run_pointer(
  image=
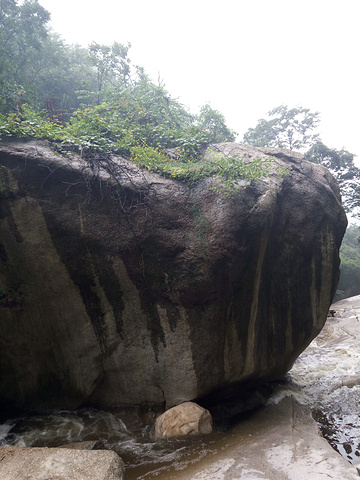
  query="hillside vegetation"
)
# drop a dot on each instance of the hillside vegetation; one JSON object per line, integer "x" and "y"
{"x": 349, "y": 283}
{"x": 94, "y": 99}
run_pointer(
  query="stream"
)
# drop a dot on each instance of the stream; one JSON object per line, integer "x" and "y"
{"x": 120, "y": 430}
{"x": 325, "y": 376}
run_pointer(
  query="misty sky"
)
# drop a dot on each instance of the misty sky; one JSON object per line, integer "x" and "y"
{"x": 244, "y": 57}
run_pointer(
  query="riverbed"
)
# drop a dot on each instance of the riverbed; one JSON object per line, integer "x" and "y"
{"x": 327, "y": 377}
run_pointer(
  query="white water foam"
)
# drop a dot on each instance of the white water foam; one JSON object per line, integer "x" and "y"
{"x": 5, "y": 429}
{"x": 326, "y": 376}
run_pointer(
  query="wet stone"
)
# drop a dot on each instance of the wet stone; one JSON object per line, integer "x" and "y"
{"x": 18, "y": 463}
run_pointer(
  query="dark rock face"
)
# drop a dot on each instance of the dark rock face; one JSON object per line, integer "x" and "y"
{"x": 118, "y": 286}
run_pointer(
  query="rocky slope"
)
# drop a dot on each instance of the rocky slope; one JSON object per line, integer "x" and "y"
{"x": 118, "y": 286}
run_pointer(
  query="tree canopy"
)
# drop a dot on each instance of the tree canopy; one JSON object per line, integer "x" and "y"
{"x": 94, "y": 99}
{"x": 286, "y": 128}
{"x": 95, "y": 89}
{"x": 22, "y": 34}
{"x": 341, "y": 165}
{"x": 295, "y": 129}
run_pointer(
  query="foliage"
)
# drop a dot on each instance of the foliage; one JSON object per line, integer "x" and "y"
{"x": 112, "y": 66}
{"x": 93, "y": 100}
{"x": 102, "y": 128}
{"x": 36, "y": 67}
{"x": 56, "y": 74}
{"x": 349, "y": 283}
{"x": 341, "y": 165}
{"x": 292, "y": 128}
{"x": 214, "y": 122}
{"x": 29, "y": 123}
{"x": 235, "y": 167}
{"x": 226, "y": 170}
{"x": 120, "y": 106}
{"x": 157, "y": 161}
{"x": 143, "y": 114}
{"x": 140, "y": 113}
{"x": 286, "y": 128}
{"x": 337, "y": 161}
{"x": 22, "y": 31}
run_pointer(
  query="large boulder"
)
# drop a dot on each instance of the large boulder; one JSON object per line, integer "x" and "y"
{"x": 118, "y": 286}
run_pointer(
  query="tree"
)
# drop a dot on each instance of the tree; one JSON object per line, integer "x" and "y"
{"x": 56, "y": 76}
{"x": 139, "y": 112}
{"x": 215, "y": 123}
{"x": 293, "y": 129}
{"x": 349, "y": 282}
{"x": 341, "y": 165}
{"x": 43, "y": 81}
{"x": 112, "y": 65}
{"x": 22, "y": 31}
{"x": 286, "y": 128}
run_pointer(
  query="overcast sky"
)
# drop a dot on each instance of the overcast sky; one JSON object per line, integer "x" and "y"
{"x": 244, "y": 57}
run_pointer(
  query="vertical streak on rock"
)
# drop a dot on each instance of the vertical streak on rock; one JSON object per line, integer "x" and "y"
{"x": 180, "y": 383}
{"x": 232, "y": 350}
{"x": 81, "y": 221}
{"x": 268, "y": 202}
{"x": 61, "y": 358}
{"x": 322, "y": 276}
{"x": 131, "y": 368}
{"x": 108, "y": 321}
{"x": 249, "y": 365}
{"x": 313, "y": 291}
{"x": 288, "y": 334}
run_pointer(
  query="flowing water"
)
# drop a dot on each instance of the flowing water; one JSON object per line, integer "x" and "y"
{"x": 121, "y": 430}
{"x": 325, "y": 377}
